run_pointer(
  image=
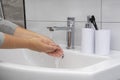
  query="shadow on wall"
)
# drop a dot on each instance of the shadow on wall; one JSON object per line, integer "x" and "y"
{"x": 14, "y": 11}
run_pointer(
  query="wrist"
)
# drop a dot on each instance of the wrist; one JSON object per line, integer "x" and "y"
{"x": 32, "y": 44}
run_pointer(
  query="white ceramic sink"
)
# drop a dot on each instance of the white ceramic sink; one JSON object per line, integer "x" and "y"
{"x": 23, "y": 64}
{"x": 71, "y": 60}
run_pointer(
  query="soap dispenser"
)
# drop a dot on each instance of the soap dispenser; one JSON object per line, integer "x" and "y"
{"x": 87, "y": 38}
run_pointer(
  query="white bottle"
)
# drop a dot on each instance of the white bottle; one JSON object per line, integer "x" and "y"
{"x": 87, "y": 40}
{"x": 102, "y": 41}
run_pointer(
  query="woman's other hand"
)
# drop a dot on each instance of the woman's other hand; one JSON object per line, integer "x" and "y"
{"x": 41, "y": 45}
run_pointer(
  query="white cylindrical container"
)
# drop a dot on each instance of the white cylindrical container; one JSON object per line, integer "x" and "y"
{"x": 87, "y": 40}
{"x": 102, "y": 41}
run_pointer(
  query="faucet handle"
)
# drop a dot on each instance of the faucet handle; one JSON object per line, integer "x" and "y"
{"x": 70, "y": 21}
{"x": 50, "y": 28}
{"x": 71, "y": 18}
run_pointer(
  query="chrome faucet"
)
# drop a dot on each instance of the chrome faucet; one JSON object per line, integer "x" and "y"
{"x": 70, "y": 31}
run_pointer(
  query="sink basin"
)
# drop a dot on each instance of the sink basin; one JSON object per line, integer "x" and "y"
{"x": 24, "y": 64}
{"x": 71, "y": 60}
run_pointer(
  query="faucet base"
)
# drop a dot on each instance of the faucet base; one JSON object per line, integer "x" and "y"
{"x": 70, "y": 47}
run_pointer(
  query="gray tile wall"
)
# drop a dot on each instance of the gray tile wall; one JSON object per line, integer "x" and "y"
{"x": 13, "y": 10}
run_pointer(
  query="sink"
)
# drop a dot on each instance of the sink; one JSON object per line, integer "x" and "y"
{"x": 24, "y": 64}
{"x": 71, "y": 60}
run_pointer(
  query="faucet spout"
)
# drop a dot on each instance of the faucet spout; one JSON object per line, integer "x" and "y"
{"x": 69, "y": 29}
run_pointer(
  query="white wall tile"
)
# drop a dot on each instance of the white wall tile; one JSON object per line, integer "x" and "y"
{"x": 58, "y": 10}
{"x": 115, "y": 34}
{"x": 43, "y": 13}
{"x": 111, "y": 10}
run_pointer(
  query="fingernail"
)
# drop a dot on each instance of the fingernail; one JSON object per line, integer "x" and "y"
{"x": 62, "y": 56}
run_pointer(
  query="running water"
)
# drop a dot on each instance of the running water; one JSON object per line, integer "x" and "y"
{"x": 57, "y": 62}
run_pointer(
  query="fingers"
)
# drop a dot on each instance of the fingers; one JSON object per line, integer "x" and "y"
{"x": 57, "y": 53}
{"x": 50, "y": 48}
{"x": 37, "y": 45}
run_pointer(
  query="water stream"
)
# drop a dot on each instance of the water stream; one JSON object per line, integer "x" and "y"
{"x": 57, "y": 60}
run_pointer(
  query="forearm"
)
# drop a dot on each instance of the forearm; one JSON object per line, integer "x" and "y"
{"x": 21, "y": 38}
{"x": 14, "y": 42}
{"x": 15, "y": 30}
{"x": 10, "y": 42}
{"x": 21, "y": 32}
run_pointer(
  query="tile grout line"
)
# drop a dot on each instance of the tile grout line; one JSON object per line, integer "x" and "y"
{"x": 66, "y": 21}
{"x": 101, "y": 13}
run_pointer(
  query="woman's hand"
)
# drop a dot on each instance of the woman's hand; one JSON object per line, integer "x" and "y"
{"x": 57, "y": 53}
{"x": 42, "y": 45}
{"x": 39, "y": 42}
